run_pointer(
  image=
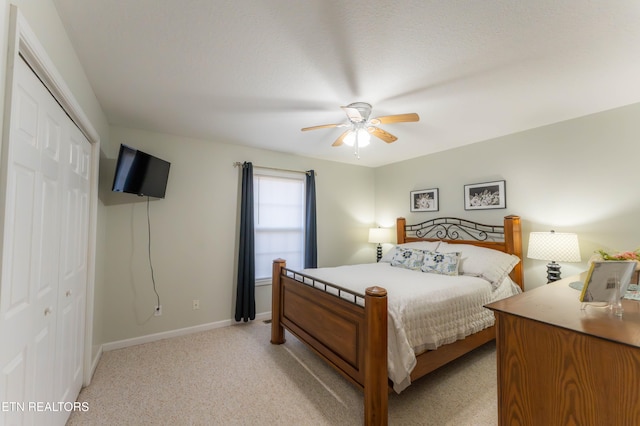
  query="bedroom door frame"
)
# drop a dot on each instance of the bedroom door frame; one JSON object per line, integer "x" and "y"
{"x": 24, "y": 43}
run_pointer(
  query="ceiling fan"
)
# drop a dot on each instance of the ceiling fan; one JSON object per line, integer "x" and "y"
{"x": 361, "y": 126}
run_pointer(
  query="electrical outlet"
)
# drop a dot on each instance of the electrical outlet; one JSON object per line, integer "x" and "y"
{"x": 196, "y": 304}
{"x": 158, "y": 311}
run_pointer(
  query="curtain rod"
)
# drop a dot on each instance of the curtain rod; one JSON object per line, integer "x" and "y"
{"x": 239, "y": 164}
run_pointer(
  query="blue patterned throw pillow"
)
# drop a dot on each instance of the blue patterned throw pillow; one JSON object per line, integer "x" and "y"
{"x": 441, "y": 263}
{"x": 407, "y": 258}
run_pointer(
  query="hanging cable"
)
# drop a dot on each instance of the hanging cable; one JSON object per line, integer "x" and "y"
{"x": 153, "y": 280}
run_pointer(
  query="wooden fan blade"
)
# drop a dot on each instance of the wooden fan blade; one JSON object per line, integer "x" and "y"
{"x": 382, "y": 134}
{"x": 339, "y": 141}
{"x": 399, "y": 118}
{"x": 322, "y": 126}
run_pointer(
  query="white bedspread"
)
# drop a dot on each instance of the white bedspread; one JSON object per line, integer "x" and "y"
{"x": 425, "y": 310}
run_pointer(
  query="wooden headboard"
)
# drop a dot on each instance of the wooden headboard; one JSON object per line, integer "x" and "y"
{"x": 506, "y": 237}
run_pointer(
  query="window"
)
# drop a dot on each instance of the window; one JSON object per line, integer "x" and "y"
{"x": 279, "y": 220}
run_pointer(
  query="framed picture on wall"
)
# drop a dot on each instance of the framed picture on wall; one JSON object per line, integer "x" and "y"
{"x": 424, "y": 200}
{"x": 487, "y": 195}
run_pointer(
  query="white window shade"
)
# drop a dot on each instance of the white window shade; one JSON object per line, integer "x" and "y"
{"x": 278, "y": 221}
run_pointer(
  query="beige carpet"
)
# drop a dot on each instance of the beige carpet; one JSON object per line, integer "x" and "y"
{"x": 234, "y": 376}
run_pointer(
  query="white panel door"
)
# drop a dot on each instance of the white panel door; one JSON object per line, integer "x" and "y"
{"x": 73, "y": 267}
{"x": 45, "y": 150}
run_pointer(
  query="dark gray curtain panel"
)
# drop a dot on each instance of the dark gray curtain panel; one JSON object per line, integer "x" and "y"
{"x": 245, "y": 295}
{"x": 310, "y": 236}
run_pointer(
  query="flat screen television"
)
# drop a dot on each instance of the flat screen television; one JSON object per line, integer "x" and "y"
{"x": 140, "y": 173}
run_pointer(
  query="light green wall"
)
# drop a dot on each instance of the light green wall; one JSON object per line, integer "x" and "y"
{"x": 575, "y": 176}
{"x": 43, "y": 19}
{"x": 194, "y": 232}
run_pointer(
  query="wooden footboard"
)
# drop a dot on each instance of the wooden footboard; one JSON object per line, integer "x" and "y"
{"x": 347, "y": 329}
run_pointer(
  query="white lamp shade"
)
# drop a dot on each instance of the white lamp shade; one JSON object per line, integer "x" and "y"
{"x": 363, "y": 138}
{"x": 554, "y": 246}
{"x": 379, "y": 235}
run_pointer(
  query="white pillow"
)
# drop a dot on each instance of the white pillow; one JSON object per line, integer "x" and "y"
{"x": 492, "y": 265}
{"x": 420, "y": 245}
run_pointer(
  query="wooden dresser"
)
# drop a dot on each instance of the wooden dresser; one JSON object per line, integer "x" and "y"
{"x": 560, "y": 365}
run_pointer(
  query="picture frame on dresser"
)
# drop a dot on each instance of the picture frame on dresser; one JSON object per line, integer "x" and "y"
{"x": 607, "y": 278}
{"x": 424, "y": 200}
{"x": 485, "y": 195}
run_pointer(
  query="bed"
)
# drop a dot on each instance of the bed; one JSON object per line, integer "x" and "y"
{"x": 354, "y": 325}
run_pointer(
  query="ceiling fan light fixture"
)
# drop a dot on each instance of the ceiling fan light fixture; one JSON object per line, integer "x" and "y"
{"x": 361, "y": 127}
{"x": 364, "y": 138}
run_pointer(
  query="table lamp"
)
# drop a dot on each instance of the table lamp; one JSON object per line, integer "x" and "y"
{"x": 554, "y": 247}
{"x": 379, "y": 236}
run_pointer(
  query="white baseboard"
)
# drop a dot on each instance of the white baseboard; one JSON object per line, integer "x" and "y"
{"x": 95, "y": 362}
{"x": 119, "y": 344}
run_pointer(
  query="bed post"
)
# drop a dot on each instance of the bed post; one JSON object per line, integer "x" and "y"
{"x": 277, "y": 331}
{"x": 401, "y": 223}
{"x": 513, "y": 242}
{"x": 376, "y": 385}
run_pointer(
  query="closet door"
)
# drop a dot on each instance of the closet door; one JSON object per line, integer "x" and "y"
{"x": 30, "y": 250}
{"x": 39, "y": 159}
{"x": 73, "y": 266}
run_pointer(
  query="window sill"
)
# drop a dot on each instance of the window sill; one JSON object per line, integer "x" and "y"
{"x": 263, "y": 282}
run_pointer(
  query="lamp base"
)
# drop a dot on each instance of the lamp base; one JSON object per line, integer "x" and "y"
{"x": 379, "y": 253}
{"x": 553, "y": 272}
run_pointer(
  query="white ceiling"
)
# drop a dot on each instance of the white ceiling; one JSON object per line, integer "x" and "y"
{"x": 254, "y": 72}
